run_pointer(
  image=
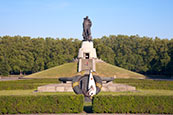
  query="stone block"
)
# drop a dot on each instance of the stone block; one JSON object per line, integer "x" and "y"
{"x": 110, "y": 86}
{"x": 104, "y": 89}
{"x": 60, "y": 89}
{"x": 68, "y": 89}
{"x": 50, "y": 89}
{"x": 131, "y": 88}
{"x": 69, "y": 82}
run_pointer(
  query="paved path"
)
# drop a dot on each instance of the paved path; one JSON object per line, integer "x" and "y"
{"x": 9, "y": 79}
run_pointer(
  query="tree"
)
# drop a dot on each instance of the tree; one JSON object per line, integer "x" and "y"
{"x": 4, "y": 67}
{"x": 105, "y": 53}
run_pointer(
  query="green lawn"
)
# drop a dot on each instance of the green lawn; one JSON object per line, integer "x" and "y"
{"x": 147, "y": 83}
{"x": 139, "y": 92}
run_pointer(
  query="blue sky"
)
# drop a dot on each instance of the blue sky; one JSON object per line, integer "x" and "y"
{"x": 63, "y": 18}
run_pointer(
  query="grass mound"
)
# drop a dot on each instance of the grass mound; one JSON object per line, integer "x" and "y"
{"x": 65, "y": 70}
{"x": 107, "y": 70}
{"x": 70, "y": 69}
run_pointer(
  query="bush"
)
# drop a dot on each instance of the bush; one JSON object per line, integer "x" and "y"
{"x": 26, "y": 84}
{"x": 41, "y": 104}
{"x": 133, "y": 104}
{"x": 147, "y": 83}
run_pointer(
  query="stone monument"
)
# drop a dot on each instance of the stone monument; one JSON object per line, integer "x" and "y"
{"x": 87, "y": 29}
{"x": 87, "y": 84}
{"x": 87, "y": 53}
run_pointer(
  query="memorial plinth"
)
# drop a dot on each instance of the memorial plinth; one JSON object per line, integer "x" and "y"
{"x": 62, "y": 87}
{"x": 87, "y": 51}
{"x": 86, "y": 56}
{"x": 66, "y": 87}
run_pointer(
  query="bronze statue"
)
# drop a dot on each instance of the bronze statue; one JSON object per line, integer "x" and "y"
{"x": 86, "y": 29}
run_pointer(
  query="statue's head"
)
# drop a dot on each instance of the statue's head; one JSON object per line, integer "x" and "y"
{"x": 86, "y": 17}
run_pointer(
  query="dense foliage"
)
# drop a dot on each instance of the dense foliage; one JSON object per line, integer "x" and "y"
{"x": 41, "y": 104}
{"x": 147, "y": 83}
{"x": 26, "y": 84}
{"x": 133, "y": 104}
{"x": 140, "y": 54}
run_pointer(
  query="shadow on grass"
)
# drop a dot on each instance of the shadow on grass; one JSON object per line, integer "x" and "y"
{"x": 88, "y": 109}
{"x": 161, "y": 77}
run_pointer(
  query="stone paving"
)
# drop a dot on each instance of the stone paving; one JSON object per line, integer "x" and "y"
{"x": 8, "y": 78}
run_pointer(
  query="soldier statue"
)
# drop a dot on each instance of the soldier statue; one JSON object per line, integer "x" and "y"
{"x": 86, "y": 29}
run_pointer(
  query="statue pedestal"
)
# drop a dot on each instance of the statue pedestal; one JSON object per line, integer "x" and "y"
{"x": 87, "y": 51}
{"x": 87, "y": 55}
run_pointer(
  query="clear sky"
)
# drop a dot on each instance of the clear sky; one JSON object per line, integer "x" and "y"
{"x": 63, "y": 18}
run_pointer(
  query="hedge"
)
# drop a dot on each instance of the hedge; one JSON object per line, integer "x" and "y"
{"x": 26, "y": 84}
{"x": 41, "y": 104}
{"x": 133, "y": 104}
{"x": 147, "y": 83}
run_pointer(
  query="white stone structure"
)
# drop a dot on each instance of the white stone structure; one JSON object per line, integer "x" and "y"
{"x": 87, "y": 51}
{"x": 87, "y": 56}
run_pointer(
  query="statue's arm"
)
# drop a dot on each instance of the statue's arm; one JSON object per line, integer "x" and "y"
{"x": 90, "y": 22}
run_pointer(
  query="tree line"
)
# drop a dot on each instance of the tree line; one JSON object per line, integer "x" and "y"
{"x": 140, "y": 54}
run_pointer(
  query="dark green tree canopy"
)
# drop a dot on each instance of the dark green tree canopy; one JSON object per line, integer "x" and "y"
{"x": 140, "y": 54}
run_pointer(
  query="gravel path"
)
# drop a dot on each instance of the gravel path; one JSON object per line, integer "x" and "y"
{"x": 8, "y": 78}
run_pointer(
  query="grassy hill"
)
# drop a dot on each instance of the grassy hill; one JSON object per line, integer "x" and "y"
{"x": 70, "y": 69}
{"x": 65, "y": 70}
{"x": 108, "y": 70}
